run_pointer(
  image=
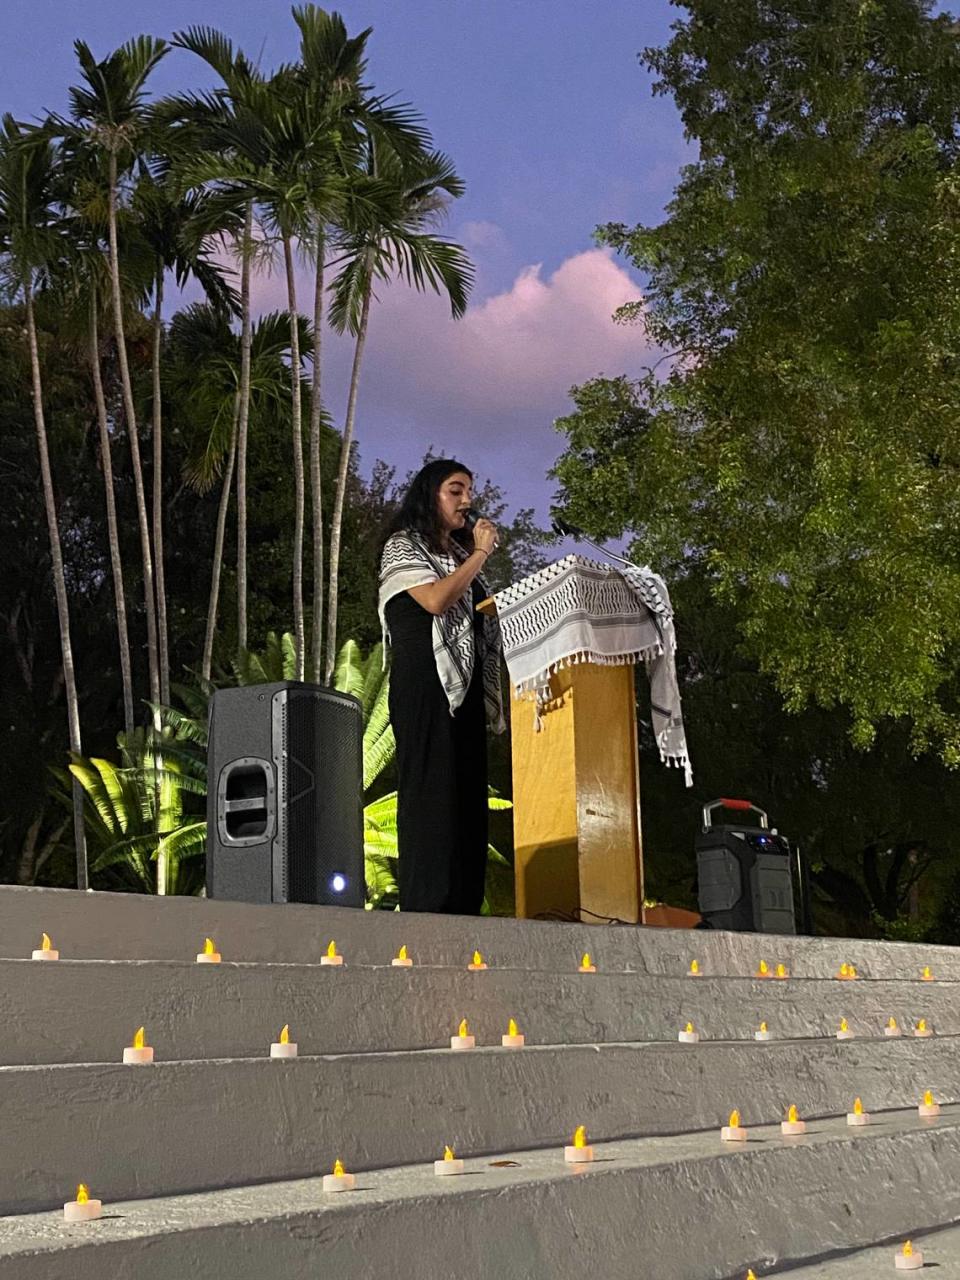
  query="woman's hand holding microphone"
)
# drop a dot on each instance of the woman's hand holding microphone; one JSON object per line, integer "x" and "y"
{"x": 485, "y": 536}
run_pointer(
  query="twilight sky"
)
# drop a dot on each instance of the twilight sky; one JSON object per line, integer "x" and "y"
{"x": 550, "y": 120}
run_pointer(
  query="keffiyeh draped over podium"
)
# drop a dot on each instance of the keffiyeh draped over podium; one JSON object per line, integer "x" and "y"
{"x": 408, "y": 562}
{"x": 577, "y": 610}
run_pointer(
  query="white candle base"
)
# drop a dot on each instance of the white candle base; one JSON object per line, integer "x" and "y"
{"x": 45, "y": 953}
{"x": 763, "y": 1035}
{"x": 908, "y": 1262}
{"x": 731, "y": 1133}
{"x": 689, "y": 1037}
{"x": 927, "y": 1110}
{"x": 578, "y": 1155}
{"x": 925, "y": 1034}
{"x": 793, "y": 1128}
{"x": 331, "y": 960}
{"x": 203, "y": 958}
{"x": 590, "y": 968}
{"x": 512, "y": 1042}
{"x": 334, "y": 1182}
{"x": 475, "y": 968}
{"x": 459, "y": 1043}
{"x": 854, "y": 1120}
{"x": 401, "y": 964}
{"x": 278, "y": 1050}
{"x": 844, "y": 1035}
{"x": 447, "y": 1168}
{"x": 694, "y": 973}
{"x": 892, "y": 1031}
{"x": 138, "y": 1057}
{"x": 73, "y": 1211}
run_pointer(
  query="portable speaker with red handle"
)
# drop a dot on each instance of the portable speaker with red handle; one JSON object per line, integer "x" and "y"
{"x": 744, "y": 874}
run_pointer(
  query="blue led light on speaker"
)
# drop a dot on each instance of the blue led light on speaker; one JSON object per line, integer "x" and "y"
{"x": 338, "y": 883}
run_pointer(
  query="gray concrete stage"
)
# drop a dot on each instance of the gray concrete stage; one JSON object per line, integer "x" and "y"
{"x": 208, "y": 1161}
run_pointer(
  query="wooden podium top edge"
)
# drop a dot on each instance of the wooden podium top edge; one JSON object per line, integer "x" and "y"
{"x": 487, "y": 606}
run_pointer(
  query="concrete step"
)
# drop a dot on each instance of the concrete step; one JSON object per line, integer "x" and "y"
{"x": 940, "y": 1249}
{"x": 176, "y": 1127}
{"x": 86, "y": 1011}
{"x": 669, "y": 1208}
{"x": 110, "y": 926}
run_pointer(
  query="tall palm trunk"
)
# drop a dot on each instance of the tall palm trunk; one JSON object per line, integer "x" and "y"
{"x": 297, "y": 433}
{"x": 59, "y": 581}
{"x": 316, "y": 493}
{"x": 162, "y": 642}
{"x": 131, "y": 416}
{"x": 113, "y": 536}
{"x": 340, "y": 495}
{"x": 216, "y": 569}
{"x": 243, "y": 421}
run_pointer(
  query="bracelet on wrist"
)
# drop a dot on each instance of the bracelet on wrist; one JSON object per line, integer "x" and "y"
{"x": 482, "y": 551}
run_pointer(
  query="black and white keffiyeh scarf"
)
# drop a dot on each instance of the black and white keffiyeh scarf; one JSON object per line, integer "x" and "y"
{"x": 408, "y": 562}
{"x": 577, "y": 610}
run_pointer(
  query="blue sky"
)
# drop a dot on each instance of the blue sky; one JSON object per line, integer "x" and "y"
{"x": 551, "y": 122}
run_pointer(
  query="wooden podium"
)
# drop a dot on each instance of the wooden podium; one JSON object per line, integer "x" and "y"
{"x": 576, "y": 797}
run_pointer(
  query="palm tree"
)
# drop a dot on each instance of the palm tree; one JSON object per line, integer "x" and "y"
{"x": 110, "y": 111}
{"x": 397, "y": 244}
{"x": 32, "y": 244}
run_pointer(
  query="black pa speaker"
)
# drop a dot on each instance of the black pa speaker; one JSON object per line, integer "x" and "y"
{"x": 285, "y": 795}
{"x": 744, "y": 873}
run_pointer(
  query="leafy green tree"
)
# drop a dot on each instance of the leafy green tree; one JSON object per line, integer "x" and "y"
{"x": 800, "y": 437}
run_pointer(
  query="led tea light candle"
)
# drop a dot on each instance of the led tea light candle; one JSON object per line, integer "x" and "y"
{"x": 284, "y": 1047}
{"x": 138, "y": 1052}
{"x": 579, "y": 1152}
{"x": 928, "y": 1108}
{"x": 927, "y": 976}
{"x": 782, "y": 971}
{"x": 763, "y": 970}
{"x": 762, "y": 1033}
{"x": 858, "y": 1116}
{"x": 694, "y": 970}
{"x": 463, "y": 1039}
{"x": 45, "y": 951}
{"x": 586, "y": 964}
{"x": 209, "y": 954}
{"x": 922, "y": 1030}
{"x": 331, "y": 956}
{"x": 449, "y": 1165}
{"x": 401, "y": 960}
{"x": 339, "y": 1180}
{"x": 514, "y": 1038}
{"x": 477, "y": 963}
{"x": 83, "y": 1209}
{"x": 844, "y": 1033}
{"x": 688, "y": 1035}
{"x": 793, "y": 1126}
{"x": 852, "y": 974}
{"x": 908, "y": 1259}
{"x": 734, "y": 1130}
{"x": 891, "y": 1029}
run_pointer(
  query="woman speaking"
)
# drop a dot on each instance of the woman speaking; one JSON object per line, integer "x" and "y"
{"x": 444, "y": 687}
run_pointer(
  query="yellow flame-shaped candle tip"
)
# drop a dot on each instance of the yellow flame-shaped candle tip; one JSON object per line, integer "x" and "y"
{"x": 463, "y": 1028}
{"x": 892, "y": 1024}
{"x": 580, "y": 1136}
{"x": 851, "y": 972}
{"x": 45, "y": 943}
{"x": 694, "y": 966}
{"x": 285, "y": 1033}
{"x": 734, "y": 1119}
{"x": 908, "y": 1250}
{"x": 332, "y": 949}
{"x": 764, "y": 969}
{"x": 209, "y": 947}
{"x": 751, "y": 1276}
{"x": 763, "y": 1026}
{"x": 689, "y": 1027}
{"x": 857, "y": 1107}
{"x": 83, "y": 1193}
{"x": 338, "y": 1169}
{"x": 928, "y": 1099}
{"x": 402, "y": 953}
{"x": 448, "y": 1153}
{"x": 844, "y": 970}
{"x": 781, "y": 971}
{"x": 926, "y": 971}
{"x": 512, "y": 1028}
{"x": 843, "y": 1025}
{"x": 138, "y": 1038}
{"x": 792, "y": 1114}
{"x": 586, "y": 961}
{"x": 922, "y": 1024}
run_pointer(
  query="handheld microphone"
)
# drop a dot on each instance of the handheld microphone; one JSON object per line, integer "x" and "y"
{"x": 470, "y": 517}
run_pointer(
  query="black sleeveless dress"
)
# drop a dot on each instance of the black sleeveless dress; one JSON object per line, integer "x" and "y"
{"x": 441, "y": 769}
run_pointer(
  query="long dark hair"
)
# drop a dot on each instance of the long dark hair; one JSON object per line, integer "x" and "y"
{"x": 418, "y": 508}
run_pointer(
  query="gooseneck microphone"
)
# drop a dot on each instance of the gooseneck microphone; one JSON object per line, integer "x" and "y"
{"x": 564, "y": 529}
